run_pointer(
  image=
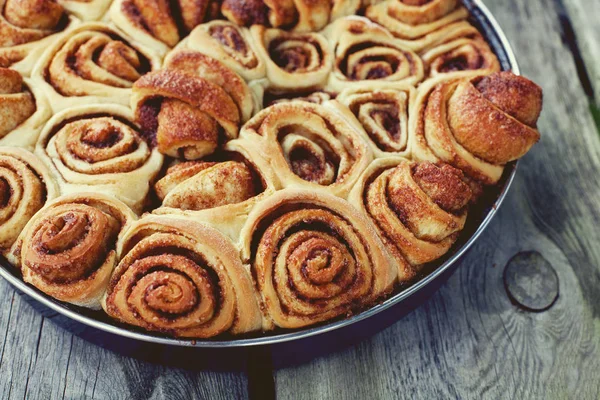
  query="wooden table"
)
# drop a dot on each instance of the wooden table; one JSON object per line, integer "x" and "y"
{"x": 469, "y": 340}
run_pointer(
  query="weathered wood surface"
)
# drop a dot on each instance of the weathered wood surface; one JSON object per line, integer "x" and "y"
{"x": 469, "y": 340}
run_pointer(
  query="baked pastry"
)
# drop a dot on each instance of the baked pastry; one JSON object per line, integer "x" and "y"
{"x": 67, "y": 250}
{"x": 23, "y": 110}
{"x": 230, "y": 44}
{"x": 419, "y": 209}
{"x": 161, "y": 24}
{"x": 295, "y": 62}
{"x": 313, "y": 257}
{"x": 308, "y": 145}
{"x": 368, "y": 56}
{"x": 182, "y": 278}
{"x": 98, "y": 148}
{"x": 476, "y": 124}
{"x": 25, "y": 186}
{"x": 383, "y": 114}
{"x": 220, "y": 189}
{"x": 295, "y": 161}
{"x": 27, "y": 27}
{"x": 422, "y": 23}
{"x": 92, "y": 63}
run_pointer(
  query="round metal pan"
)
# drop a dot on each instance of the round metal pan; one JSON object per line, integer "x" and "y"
{"x": 328, "y": 336}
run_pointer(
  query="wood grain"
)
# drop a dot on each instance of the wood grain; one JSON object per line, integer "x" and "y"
{"x": 469, "y": 341}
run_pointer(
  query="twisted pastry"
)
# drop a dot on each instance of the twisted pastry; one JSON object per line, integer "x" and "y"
{"x": 383, "y": 114}
{"x": 368, "y": 55}
{"x": 86, "y": 10}
{"x": 422, "y": 23}
{"x": 476, "y": 124}
{"x": 27, "y": 27}
{"x": 308, "y": 144}
{"x": 182, "y": 278}
{"x": 68, "y": 249}
{"x": 161, "y": 24}
{"x": 313, "y": 258}
{"x": 230, "y": 44}
{"x": 99, "y": 149}
{"x": 296, "y": 15}
{"x": 192, "y": 106}
{"x": 25, "y": 186}
{"x": 419, "y": 209}
{"x": 93, "y": 63}
{"x": 221, "y": 189}
{"x": 295, "y": 62}
{"x": 459, "y": 57}
{"x": 23, "y": 110}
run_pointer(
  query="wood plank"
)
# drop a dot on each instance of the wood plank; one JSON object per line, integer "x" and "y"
{"x": 469, "y": 340}
{"x": 41, "y": 359}
{"x": 583, "y": 17}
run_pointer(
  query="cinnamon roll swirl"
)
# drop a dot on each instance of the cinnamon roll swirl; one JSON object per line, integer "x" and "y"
{"x": 68, "y": 249}
{"x": 295, "y": 62}
{"x": 192, "y": 106}
{"x": 476, "y": 124}
{"x": 93, "y": 63}
{"x": 25, "y": 186}
{"x": 27, "y": 27}
{"x": 419, "y": 209}
{"x": 23, "y": 110}
{"x": 230, "y": 44}
{"x": 220, "y": 189}
{"x": 99, "y": 148}
{"x": 460, "y": 57}
{"x": 313, "y": 258}
{"x": 383, "y": 114}
{"x": 422, "y": 23}
{"x": 181, "y": 278}
{"x": 308, "y": 145}
{"x": 367, "y": 55}
{"x": 161, "y": 24}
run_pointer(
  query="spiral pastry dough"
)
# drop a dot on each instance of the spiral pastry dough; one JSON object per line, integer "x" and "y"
{"x": 313, "y": 258}
{"x": 367, "y": 55}
{"x": 161, "y": 24}
{"x": 192, "y": 106}
{"x": 422, "y": 23}
{"x": 230, "y": 44}
{"x": 383, "y": 114}
{"x": 87, "y": 10}
{"x": 220, "y": 190}
{"x": 182, "y": 278}
{"x": 23, "y": 110}
{"x": 419, "y": 209}
{"x": 476, "y": 124}
{"x": 295, "y": 62}
{"x": 25, "y": 186}
{"x": 308, "y": 145}
{"x": 93, "y": 64}
{"x": 459, "y": 57}
{"x": 68, "y": 249}
{"x": 99, "y": 149}
{"x": 27, "y": 27}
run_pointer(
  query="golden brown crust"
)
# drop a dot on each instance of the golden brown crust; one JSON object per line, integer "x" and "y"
{"x": 313, "y": 258}
{"x": 16, "y": 103}
{"x": 182, "y": 278}
{"x": 68, "y": 249}
{"x": 419, "y": 209}
{"x": 100, "y": 149}
{"x": 455, "y": 122}
{"x": 25, "y": 186}
{"x": 308, "y": 144}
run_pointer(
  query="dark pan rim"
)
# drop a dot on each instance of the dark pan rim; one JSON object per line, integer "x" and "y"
{"x": 498, "y": 41}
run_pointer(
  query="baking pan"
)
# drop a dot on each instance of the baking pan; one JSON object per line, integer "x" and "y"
{"x": 306, "y": 343}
